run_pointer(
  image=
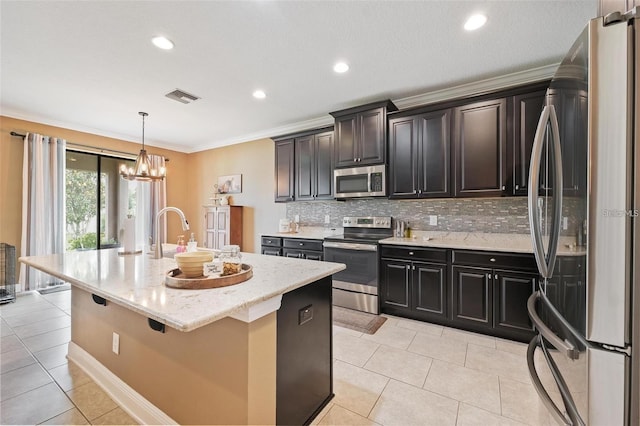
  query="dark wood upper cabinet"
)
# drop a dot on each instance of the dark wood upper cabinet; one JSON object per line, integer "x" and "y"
{"x": 419, "y": 149}
{"x": 360, "y": 134}
{"x": 284, "y": 170}
{"x": 304, "y": 167}
{"x": 526, "y": 114}
{"x": 480, "y": 145}
{"x": 323, "y": 165}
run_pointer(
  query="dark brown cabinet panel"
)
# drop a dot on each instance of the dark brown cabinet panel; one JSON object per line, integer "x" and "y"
{"x": 395, "y": 280}
{"x": 419, "y": 148}
{"x": 314, "y": 167}
{"x": 361, "y": 134}
{"x": 472, "y": 296}
{"x": 411, "y": 288}
{"x": 480, "y": 149}
{"x": 284, "y": 170}
{"x": 526, "y": 114}
{"x": 512, "y": 290}
{"x": 430, "y": 289}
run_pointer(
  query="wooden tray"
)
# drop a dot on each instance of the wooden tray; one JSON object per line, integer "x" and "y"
{"x": 175, "y": 279}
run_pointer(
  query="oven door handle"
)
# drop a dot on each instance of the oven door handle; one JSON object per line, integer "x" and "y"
{"x": 350, "y": 246}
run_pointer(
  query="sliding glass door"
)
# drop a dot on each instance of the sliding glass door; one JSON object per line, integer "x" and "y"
{"x": 97, "y": 200}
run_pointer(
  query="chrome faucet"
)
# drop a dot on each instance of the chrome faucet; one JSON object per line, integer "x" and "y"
{"x": 185, "y": 227}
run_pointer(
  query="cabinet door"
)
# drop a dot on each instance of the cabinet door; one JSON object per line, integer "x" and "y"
{"x": 221, "y": 229}
{"x": 305, "y": 168}
{"x": 370, "y": 137}
{"x": 395, "y": 277}
{"x": 472, "y": 296}
{"x": 429, "y": 289}
{"x": 345, "y": 146}
{"x": 284, "y": 171}
{"x": 433, "y": 153}
{"x": 526, "y": 113}
{"x": 324, "y": 165}
{"x": 480, "y": 149}
{"x": 209, "y": 226}
{"x": 403, "y": 156}
{"x": 512, "y": 290}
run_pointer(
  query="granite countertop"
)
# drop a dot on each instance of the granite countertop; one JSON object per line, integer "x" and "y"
{"x": 512, "y": 243}
{"x": 136, "y": 282}
{"x": 308, "y": 232}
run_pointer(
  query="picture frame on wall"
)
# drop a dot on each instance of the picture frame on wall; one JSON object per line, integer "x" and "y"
{"x": 230, "y": 184}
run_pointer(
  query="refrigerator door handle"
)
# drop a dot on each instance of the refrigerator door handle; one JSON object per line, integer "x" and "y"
{"x": 545, "y": 264}
{"x": 561, "y": 345}
{"x": 537, "y": 384}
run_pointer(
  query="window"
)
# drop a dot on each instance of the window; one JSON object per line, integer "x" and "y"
{"x": 97, "y": 200}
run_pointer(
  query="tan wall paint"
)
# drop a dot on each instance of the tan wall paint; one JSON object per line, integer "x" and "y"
{"x": 11, "y": 172}
{"x": 189, "y": 184}
{"x": 256, "y": 162}
{"x": 222, "y": 373}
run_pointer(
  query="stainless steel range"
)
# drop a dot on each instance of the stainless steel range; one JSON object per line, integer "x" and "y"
{"x": 357, "y": 286}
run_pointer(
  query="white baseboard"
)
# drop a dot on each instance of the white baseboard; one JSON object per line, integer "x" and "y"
{"x": 137, "y": 406}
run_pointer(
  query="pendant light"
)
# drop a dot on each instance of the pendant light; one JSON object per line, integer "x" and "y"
{"x": 142, "y": 170}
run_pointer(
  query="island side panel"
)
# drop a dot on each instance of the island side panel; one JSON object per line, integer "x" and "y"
{"x": 198, "y": 377}
{"x": 305, "y": 373}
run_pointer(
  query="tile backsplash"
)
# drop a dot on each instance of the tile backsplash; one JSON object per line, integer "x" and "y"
{"x": 497, "y": 215}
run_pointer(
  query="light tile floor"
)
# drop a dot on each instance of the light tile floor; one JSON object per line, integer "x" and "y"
{"x": 408, "y": 373}
{"x": 38, "y": 385}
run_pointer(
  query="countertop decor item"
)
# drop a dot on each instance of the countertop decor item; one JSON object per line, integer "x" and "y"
{"x": 176, "y": 279}
{"x": 143, "y": 169}
{"x": 191, "y": 263}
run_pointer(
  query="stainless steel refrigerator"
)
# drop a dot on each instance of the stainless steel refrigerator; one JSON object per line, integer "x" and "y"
{"x": 584, "y": 203}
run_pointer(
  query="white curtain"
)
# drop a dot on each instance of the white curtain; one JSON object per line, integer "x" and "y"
{"x": 152, "y": 197}
{"x": 43, "y": 204}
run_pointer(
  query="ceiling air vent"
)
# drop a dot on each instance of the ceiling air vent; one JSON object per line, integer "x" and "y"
{"x": 181, "y": 96}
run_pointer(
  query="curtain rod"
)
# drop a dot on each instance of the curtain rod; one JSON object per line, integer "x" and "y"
{"x": 89, "y": 148}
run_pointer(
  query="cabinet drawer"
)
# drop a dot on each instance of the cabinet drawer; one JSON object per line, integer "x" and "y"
{"x": 492, "y": 259}
{"x": 271, "y": 251}
{"x": 303, "y": 244}
{"x": 272, "y": 241}
{"x": 414, "y": 253}
{"x": 302, "y": 254}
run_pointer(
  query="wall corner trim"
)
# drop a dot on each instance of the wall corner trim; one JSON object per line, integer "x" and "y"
{"x": 124, "y": 395}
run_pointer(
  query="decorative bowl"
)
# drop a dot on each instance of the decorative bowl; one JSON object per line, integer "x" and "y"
{"x": 190, "y": 263}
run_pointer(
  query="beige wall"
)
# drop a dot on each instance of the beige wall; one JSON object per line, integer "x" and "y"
{"x": 222, "y": 373}
{"x": 11, "y": 172}
{"x": 255, "y": 161}
{"x": 189, "y": 183}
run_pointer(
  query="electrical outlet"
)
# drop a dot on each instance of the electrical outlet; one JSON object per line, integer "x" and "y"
{"x": 565, "y": 223}
{"x": 327, "y": 218}
{"x": 296, "y": 218}
{"x": 115, "y": 344}
{"x": 433, "y": 220}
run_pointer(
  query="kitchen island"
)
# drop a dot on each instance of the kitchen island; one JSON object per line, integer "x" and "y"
{"x": 213, "y": 356}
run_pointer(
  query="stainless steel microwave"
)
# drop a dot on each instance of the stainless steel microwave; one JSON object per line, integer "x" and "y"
{"x": 360, "y": 182}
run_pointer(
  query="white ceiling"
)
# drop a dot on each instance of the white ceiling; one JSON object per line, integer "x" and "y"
{"x": 90, "y": 66}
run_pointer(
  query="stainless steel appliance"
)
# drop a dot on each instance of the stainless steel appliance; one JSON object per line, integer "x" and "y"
{"x": 367, "y": 181}
{"x": 585, "y": 170}
{"x": 356, "y": 287}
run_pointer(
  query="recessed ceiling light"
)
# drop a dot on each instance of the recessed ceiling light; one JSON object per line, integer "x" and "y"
{"x": 162, "y": 42}
{"x": 341, "y": 67}
{"x": 475, "y": 22}
{"x": 259, "y": 94}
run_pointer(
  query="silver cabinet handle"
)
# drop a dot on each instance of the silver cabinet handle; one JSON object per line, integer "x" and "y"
{"x": 537, "y": 384}
{"x": 545, "y": 263}
{"x": 496, "y": 277}
{"x": 488, "y": 276}
{"x": 301, "y": 244}
{"x": 504, "y": 187}
{"x": 561, "y": 345}
{"x": 493, "y": 259}
{"x": 410, "y": 253}
{"x": 517, "y": 186}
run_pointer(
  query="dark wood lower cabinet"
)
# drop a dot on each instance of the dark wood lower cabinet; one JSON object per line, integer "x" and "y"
{"x": 414, "y": 289}
{"x": 472, "y": 296}
{"x": 484, "y": 292}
